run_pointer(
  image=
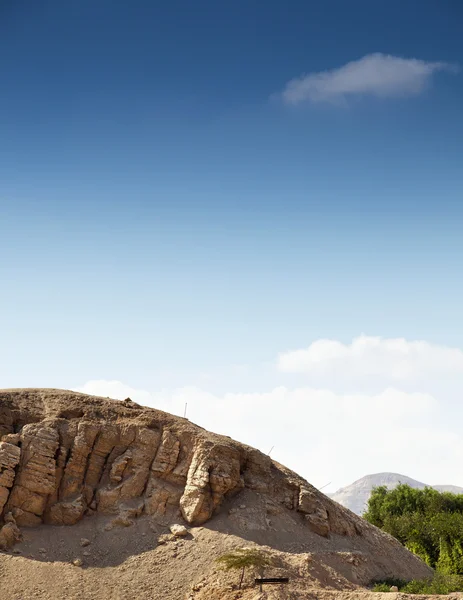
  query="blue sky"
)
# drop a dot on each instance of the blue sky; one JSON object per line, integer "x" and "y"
{"x": 174, "y": 212}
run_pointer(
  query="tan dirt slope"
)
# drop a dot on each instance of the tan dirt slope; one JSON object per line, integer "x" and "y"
{"x": 89, "y": 488}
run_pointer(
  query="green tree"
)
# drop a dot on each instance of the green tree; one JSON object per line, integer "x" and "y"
{"x": 242, "y": 558}
{"x": 429, "y": 523}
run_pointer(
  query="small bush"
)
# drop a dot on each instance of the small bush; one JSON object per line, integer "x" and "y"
{"x": 385, "y": 584}
{"x": 416, "y": 586}
{"x": 440, "y": 584}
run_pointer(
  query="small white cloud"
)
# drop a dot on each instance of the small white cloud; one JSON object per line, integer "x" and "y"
{"x": 394, "y": 358}
{"x": 376, "y": 74}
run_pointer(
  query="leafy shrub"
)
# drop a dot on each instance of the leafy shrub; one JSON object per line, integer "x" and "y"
{"x": 385, "y": 584}
{"x": 439, "y": 584}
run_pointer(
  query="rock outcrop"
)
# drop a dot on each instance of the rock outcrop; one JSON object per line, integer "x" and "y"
{"x": 65, "y": 455}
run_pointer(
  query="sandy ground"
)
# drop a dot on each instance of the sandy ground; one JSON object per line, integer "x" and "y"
{"x": 124, "y": 563}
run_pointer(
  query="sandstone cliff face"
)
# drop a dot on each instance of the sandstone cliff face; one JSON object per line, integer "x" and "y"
{"x": 64, "y": 455}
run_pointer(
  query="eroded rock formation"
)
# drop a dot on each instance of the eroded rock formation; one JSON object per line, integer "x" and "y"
{"x": 64, "y": 455}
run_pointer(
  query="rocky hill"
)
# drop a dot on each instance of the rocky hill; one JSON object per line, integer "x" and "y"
{"x": 102, "y": 499}
{"x": 355, "y": 496}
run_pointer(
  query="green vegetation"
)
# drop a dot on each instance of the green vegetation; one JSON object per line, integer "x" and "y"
{"x": 439, "y": 584}
{"x": 427, "y": 522}
{"x": 385, "y": 584}
{"x": 240, "y": 558}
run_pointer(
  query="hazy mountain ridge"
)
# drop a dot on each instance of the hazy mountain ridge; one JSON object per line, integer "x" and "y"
{"x": 355, "y": 496}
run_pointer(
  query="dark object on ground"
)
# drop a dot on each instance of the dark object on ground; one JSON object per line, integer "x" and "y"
{"x": 273, "y": 580}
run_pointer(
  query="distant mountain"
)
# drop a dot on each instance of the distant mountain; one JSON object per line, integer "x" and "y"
{"x": 355, "y": 496}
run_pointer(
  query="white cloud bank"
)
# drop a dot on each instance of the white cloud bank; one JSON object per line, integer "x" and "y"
{"x": 394, "y": 358}
{"x": 376, "y": 74}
